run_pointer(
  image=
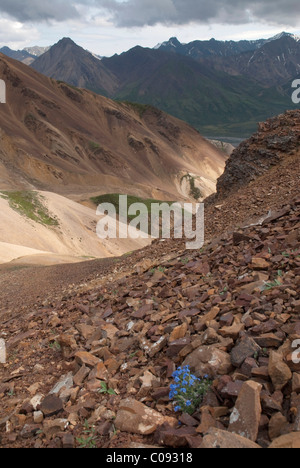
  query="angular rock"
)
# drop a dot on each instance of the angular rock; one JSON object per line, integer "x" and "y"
{"x": 279, "y": 372}
{"x": 276, "y": 425}
{"x": 207, "y": 421}
{"x": 211, "y": 315}
{"x": 68, "y": 441}
{"x": 247, "y": 347}
{"x": 288, "y": 441}
{"x": 178, "y": 332}
{"x": 219, "y": 439}
{"x": 51, "y": 405}
{"x": 68, "y": 345}
{"x": 85, "y": 358}
{"x": 210, "y": 337}
{"x": 296, "y": 383}
{"x": 176, "y": 346}
{"x": 209, "y": 360}
{"x": 136, "y": 418}
{"x": 81, "y": 375}
{"x": 87, "y": 331}
{"x": 268, "y": 340}
{"x": 53, "y": 427}
{"x": 29, "y": 430}
{"x": 172, "y": 437}
{"x": 260, "y": 264}
{"x": 233, "y": 331}
{"x": 246, "y": 415}
{"x": 152, "y": 349}
{"x": 99, "y": 372}
{"x": 66, "y": 381}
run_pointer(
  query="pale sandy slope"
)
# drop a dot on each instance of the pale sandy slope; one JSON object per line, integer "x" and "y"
{"x": 73, "y": 240}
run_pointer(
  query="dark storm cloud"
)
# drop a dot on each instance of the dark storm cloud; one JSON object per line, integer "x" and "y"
{"x": 150, "y": 12}
{"x": 38, "y": 10}
{"x": 130, "y": 13}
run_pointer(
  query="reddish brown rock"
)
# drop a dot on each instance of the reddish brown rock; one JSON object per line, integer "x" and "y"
{"x": 279, "y": 372}
{"x": 99, "y": 372}
{"x": 136, "y": 418}
{"x": 85, "y": 358}
{"x": 178, "y": 332}
{"x": 288, "y": 441}
{"x": 51, "y": 405}
{"x": 260, "y": 264}
{"x": 209, "y": 360}
{"x": 246, "y": 415}
{"x": 68, "y": 345}
{"x": 219, "y": 439}
{"x": 175, "y": 438}
{"x": 81, "y": 375}
{"x": 296, "y": 382}
{"x": 277, "y": 423}
{"x": 246, "y": 348}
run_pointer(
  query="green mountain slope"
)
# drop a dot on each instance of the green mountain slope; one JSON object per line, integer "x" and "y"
{"x": 212, "y": 101}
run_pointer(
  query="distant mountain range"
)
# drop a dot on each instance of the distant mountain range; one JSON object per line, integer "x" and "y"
{"x": 27, "y": 55}
{"x": 220, "y": 87}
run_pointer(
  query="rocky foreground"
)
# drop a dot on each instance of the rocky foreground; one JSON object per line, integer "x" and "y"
{"x": 94, "y": 368}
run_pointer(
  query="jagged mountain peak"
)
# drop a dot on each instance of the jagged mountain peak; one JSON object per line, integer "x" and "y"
{"x": 284, "y": 34}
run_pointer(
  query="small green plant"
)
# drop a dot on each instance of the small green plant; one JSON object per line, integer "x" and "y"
{"x": 225, "y": 290}
{"x": 274, "y": 284}
{"x": 94, "y": 146}
{"x": 140, "y": 109}
{"x": 184, "y": 261}
{"x": 188, "y": 391}
{"x": 114, "y": 431}
{"x": 161, "y": 269}
{"x": 88, "y": 440}
{"x": 55, "y": 345}
{"x": 105, "y": 390}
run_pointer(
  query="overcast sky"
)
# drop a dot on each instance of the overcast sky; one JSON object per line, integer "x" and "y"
{"x": 112, "y": 26}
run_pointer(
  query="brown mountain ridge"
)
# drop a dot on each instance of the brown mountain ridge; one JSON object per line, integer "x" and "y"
{"x": 59, "y": 138}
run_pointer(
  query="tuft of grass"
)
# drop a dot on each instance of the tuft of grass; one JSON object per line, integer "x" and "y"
{"x": 195, "y": 192}
{"x": 274, "y": 284}
{"x": 30, "y": 204}
{"x": 113, "y": 199}
{"x": 70, "y": 86}
{"x": 88, "y": 439}
{"x": 140, "y": 109}
{"x": 55, "y": 346}
{"x": 93, "y": 146}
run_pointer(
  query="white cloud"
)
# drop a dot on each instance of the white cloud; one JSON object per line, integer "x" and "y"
{"x": 15, "y": 34}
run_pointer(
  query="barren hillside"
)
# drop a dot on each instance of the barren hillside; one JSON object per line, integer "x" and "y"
{"x": 58, "y": 138}
{"x": 92, "y": 347}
